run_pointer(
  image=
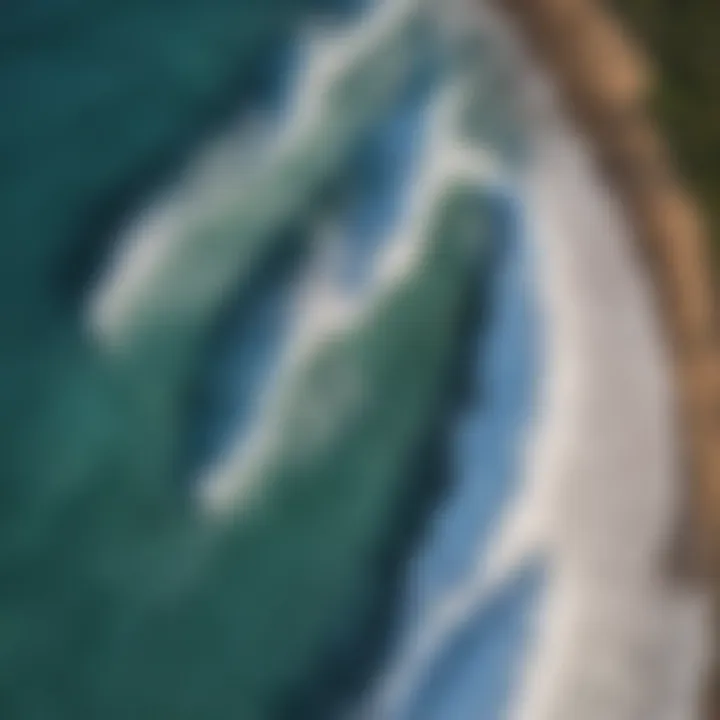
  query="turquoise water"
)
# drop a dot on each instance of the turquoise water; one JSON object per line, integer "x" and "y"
{"x": 394, "y": 449}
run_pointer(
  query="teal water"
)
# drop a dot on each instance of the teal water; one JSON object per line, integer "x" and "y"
{"x": 120, "y": 598}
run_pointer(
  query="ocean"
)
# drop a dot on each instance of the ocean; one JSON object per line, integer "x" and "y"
{"x": 305, "y": 378}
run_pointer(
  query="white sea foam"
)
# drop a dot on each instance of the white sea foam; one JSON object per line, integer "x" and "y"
{"x": 218, "y": 174}
{"x": 600, "y": 496}
{"x": 615, "y": 640}
{"x": 327, "y": 310}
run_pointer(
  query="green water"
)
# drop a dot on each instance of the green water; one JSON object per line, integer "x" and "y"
{"x": 119, "y": 598}
{"x": 120, "y": 602}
